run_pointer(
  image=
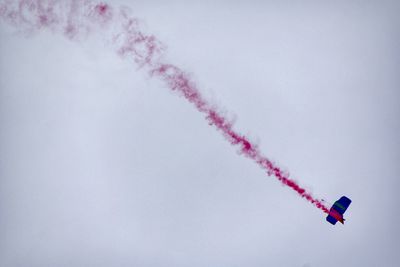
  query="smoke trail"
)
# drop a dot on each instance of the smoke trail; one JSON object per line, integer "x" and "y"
{"x": 76, "y": 19}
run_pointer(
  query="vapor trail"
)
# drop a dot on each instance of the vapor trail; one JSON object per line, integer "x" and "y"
{"x": 76, "y": 19}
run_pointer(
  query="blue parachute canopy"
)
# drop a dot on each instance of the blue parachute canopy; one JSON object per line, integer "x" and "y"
{"x": 338, "y": 209}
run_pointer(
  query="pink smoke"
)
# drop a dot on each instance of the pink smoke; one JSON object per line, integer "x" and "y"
{"x": 77, "y": 18}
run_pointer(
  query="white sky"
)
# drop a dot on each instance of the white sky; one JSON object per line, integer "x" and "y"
{"x": 101, "y": 165}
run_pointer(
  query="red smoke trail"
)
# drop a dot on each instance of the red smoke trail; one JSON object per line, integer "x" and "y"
{"x": 77, "y": 18}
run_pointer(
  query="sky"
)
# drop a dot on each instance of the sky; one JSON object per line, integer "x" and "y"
{"x": 102, "y": 165}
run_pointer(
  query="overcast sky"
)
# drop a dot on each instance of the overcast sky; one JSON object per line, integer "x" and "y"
{"x": 100, "y": 165}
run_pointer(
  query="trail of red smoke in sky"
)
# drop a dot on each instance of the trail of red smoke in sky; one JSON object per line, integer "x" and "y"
{"x": 77, "y": 18}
